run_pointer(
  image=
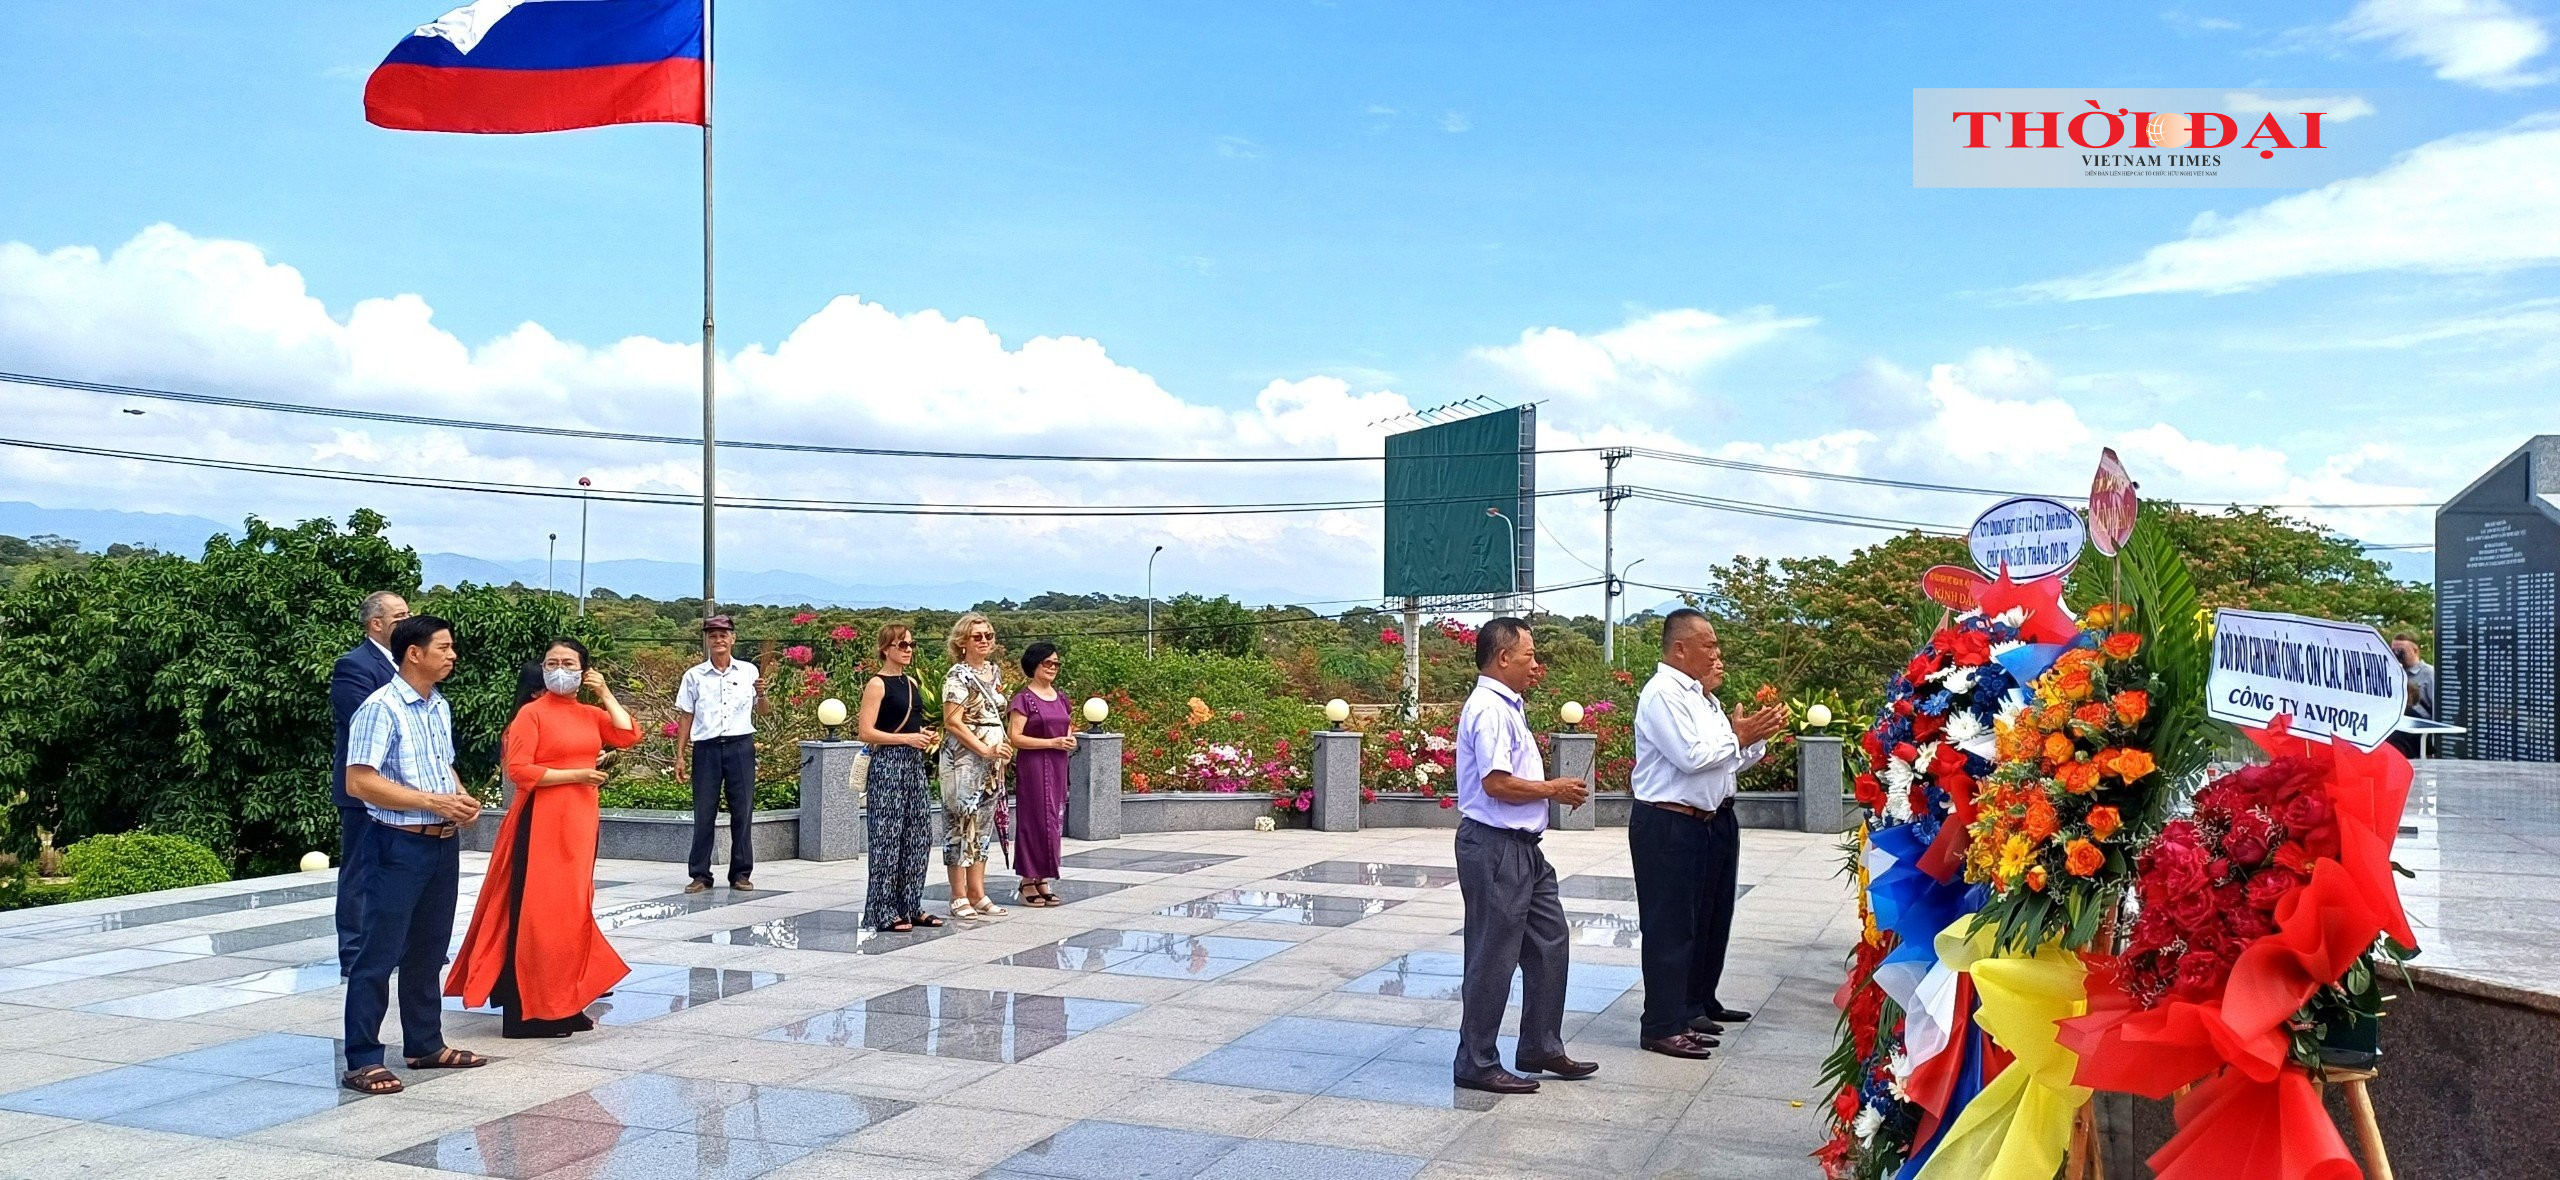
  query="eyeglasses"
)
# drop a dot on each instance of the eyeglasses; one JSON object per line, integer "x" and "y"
{"x": 903, "y": 645}
{"x": 983, "y": 637}
{"x": 1051, "y": 662}
{"x": 568, "y": 665}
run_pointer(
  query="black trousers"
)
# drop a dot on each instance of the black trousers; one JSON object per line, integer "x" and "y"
{"x": 1685, "y": 878}
{"x": 353, "y": 824}
{"x": 1515, "y": 922}
{"x": 724, "y": 768}
{"x": 409, "y": 882}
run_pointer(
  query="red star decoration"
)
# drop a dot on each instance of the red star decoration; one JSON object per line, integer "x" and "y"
{"x": 2046, "y": 621}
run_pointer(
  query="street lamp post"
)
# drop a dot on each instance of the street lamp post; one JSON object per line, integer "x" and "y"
{"x": 550, "y": 561}
{"x": 583, "y": 485}
{"x": 1621, "y": 607}
{"x": 1151, "y": 602}
{"x": 1511, "y": 558}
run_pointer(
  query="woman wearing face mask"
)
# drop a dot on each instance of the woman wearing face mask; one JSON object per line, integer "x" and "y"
{"x": 533, "y": 946}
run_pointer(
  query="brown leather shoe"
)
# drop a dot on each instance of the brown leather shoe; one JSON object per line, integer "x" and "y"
{"x": 1561, "y": 1066}
{"x": 742, "y": 885}
{"x": 697, "y": 886}
{"x": 1500, "y": 1083}
{"x": 1678, "y": 1045}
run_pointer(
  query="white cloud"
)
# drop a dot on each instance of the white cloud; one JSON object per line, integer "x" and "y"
{"x": 1237, "y": 147}
{"x": 2483, "y": 201}
{"x": 2340, "y": 108}
{"x": 171, "y": 310}
{"x": 1455, "y": 122}
{"x": 1652, "y": 359}
{"x": 2474, "y": 42}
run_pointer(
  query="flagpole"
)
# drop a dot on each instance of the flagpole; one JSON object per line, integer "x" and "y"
{"x": 710, "y": 357}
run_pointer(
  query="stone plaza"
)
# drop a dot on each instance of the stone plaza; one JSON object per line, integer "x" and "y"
{"x": 1221, "y": 1004}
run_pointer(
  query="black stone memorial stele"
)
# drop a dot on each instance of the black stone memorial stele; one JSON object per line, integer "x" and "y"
{"x": 2498, "y": 609}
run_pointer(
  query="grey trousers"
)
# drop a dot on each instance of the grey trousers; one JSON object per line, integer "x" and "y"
{"x": 1515, "y": 922}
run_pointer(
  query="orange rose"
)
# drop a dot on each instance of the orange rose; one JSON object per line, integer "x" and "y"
{"x": 2075, "y": 684}
{"x": 2041, "y": 822}
{"x": 2093, "y": 715}
{"x": 2083, "y": 858}
{"x": 2079, "y": 778}
{"x": 2132, "y": 705}
{"x": 2132, "y": 765}
{"x": 2035, "y": 878}
{"x": 2057, "y": 748}
{"x": 2052, "y": 717}
{"x": 2105, "y": 822}
{"x": 2122, "y": 644}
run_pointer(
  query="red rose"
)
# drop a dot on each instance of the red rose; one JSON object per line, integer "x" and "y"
{"x": 2249, "y": 926}
{"x": 1906, "y": 751}
{"x": 2306, "y": 811}
{"x": 2249, "y": 841}
{"x": 2184, "y": 909}
{"x": 2269, "y": 887}
{"x": 1870, "y": 793}
{"x": 1873, "y": 743}
{"x": 2201, "y": 974}
{"x": 2175, "y": 863}
{"x": 1948, "y": 760}
{"x": 1926, "y": 726}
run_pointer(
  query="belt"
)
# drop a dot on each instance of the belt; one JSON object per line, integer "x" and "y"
{"x": 443, "y": 831}
{"x": 1684, "y": 809}
{"x": 727, "y": 737}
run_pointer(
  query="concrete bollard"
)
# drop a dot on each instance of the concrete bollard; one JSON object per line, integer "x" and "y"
{"x": 1574, "y": 755}
{"x": 1337, "y": 781}
{"x": 1818, "y": 784}
{"x": 1093, "y": 787}
{"x": 831, "y": 822}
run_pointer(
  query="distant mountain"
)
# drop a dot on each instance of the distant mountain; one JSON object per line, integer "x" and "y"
{"x": 97, "y": 528}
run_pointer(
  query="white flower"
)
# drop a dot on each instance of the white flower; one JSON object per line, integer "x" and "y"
{"x": 1869, "y": 1121}
{"x": 1962, "y": 726}
{"x": 2012, "y": 705}
{"x": 1897, "y": 789}
{"x": 1897, "y": 1072}
{"x": 2011, "y": 617}
{"x": 1959, "y": 680}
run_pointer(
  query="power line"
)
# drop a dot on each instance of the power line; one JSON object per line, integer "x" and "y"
{"x": 246, "y": 403}
{"x": 1959, "y": 489}
{"x": 1784, "y": 512}
{"x": 758, "y": 503}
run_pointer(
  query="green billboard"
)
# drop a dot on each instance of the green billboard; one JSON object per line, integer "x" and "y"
{"x": 1441, "y": 540}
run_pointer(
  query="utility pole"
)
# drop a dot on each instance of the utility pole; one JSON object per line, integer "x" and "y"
{"x": 550, "y": 562}
{"x": 1412, "y": 658}
{"x": 1610, "y": 494}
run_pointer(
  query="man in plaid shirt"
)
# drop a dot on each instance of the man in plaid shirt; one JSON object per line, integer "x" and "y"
{"x": 400, "y": 764}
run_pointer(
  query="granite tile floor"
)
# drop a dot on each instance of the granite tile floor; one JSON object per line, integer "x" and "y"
{"x": 1210, "y": 1004}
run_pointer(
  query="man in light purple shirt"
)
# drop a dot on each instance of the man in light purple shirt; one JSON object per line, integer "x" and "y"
{"x": 1515, "y": 919}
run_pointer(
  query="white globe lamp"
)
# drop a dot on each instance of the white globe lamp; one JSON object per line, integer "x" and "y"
{"x": 1337, "y": 711}
{"x": 1818, "y": 716}
{"x": 1570, "y": 713}
{"x": 1096, "y": 711}
{"x": 314, "y": 861}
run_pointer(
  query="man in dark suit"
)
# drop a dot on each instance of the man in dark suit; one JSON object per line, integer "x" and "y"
{"x": 366, "y": 667}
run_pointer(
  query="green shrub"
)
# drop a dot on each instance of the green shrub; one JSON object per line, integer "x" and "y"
{"x": 138, "y": 862}
{"x": 668, "y": 794}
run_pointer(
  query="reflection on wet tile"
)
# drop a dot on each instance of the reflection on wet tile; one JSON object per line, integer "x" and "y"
{"x": 1149, "y": 953}
{"x": 269, "y": 1055}
{"x": 1436, "y": 975}
{"x": 1261, "y": 905}
{"x": 653, "y": 990}
{"x": 174, "y": 911}
{"x": 195, "y": 999}
{"x": 250, "y": 938}
{"x": 88, "y": 966}
{"x": 1000, "y": 889}
{"x": 677, "y": 904}
{"x": 101, "y": 1095}
{"x": 1271, "y": 1159}
{"x": 1353, "y": 872}
{"x": 1096, "y": 1150}
{"x": 238, "y": 1108}
{"x": 842, "y": 931}
{"x": 730, "y": 1110}
{"x": 521, "y": 1146}
{"x": 1143, "y": 860}
{"x": 1598, "y": 888}
{"x": 1345, "y": 1059}
{"x": 1600, "y": 929}
{"x": 967, "y": 1023}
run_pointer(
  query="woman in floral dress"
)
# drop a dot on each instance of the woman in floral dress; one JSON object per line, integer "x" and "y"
{"x": 973, "y": 762}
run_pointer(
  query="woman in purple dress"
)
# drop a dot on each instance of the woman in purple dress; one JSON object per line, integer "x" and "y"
{"x": 1041, "y": 733}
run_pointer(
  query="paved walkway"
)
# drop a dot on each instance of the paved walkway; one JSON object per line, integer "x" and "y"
{"x": 1213, "y": 1004}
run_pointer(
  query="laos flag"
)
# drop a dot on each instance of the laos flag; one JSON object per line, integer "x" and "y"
{"x": 515, "y": 66}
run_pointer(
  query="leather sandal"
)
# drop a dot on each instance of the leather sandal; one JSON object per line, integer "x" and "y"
{"x": 372, "y": 1080}
{"x": 449, "y": 1058}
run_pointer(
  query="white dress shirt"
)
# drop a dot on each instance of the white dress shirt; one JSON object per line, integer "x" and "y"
{"x": 1686, "y": 751}
{"x": 723, "y": 704}
{"x": 1493, "y": 735}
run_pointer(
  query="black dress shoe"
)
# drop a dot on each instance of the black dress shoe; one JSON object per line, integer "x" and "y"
{"x": 1501, "y": 1083}
{"x": 1729, "y": 1015}
{"x": 1705, "y": 1026}
{"x": 1561, "y": 1066}
{"x": 1689, "y": 1045}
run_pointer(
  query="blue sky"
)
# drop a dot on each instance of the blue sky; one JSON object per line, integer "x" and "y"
{"x": 1383, "y": 196}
